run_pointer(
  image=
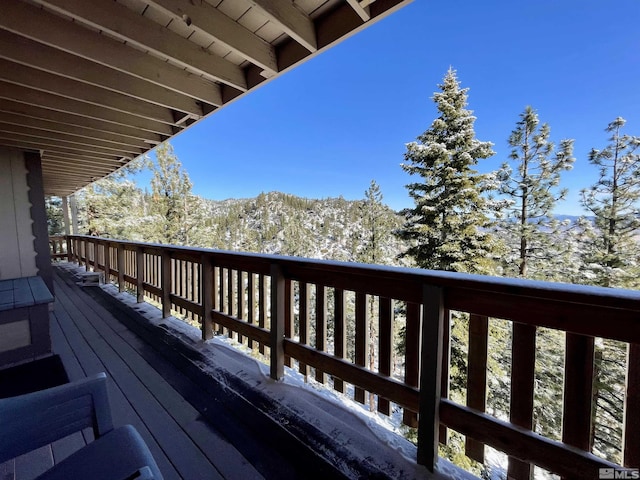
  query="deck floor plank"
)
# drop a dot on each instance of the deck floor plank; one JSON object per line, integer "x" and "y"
{"x": 122, "y": 410}
{"x": 190, "y": 443}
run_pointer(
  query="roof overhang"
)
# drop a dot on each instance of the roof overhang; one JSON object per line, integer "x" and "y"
{"x": 93, "y": 84}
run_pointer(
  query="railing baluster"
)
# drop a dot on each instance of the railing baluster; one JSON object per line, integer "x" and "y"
{"x": 430, "y": 372}
{"x": 240, "y": 289}
{"x": 304, "y": 322}
{"x": 222, "y": 302}
{"x": 446, "y": 361}
{"x": 231, "y": 300}
{"x": 477, "y": 377}
{"x": 340, "y": 333}
{"x": 166, "y": 284}
{"x": 321, "y": 327}
{"x": 385, "y": 345}
{"x": 107, "y": 263}
{"x": 251, "y": 303}
{"x": 288, "y": 315}
{"x": 262, "y": 306}
{"x": 631, "y": 437}
{"x": 277, "y": 322}
{"x": 120, "y": 263}
{"x": 207, "y": 296}
{"x": 522, "y": 385}
{"x": 139, "y": 274}
{"x": 216, "y": 296}
{"x": 362, "y": 339}
{"x": 578, "y": 391}
{"x": 412, "y": 357}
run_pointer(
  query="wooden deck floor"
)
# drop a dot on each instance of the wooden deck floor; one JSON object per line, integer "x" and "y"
{"x": 90, "y": 340}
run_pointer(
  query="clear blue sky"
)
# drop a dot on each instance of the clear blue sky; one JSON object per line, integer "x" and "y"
{"x": 334, "y": 123}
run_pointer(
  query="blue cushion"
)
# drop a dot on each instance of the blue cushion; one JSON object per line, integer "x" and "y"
{"x": 118, "y": 455}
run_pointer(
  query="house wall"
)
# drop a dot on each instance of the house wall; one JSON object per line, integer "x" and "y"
{"x": 24, "y": 252}
{"x": 17, "y": 251}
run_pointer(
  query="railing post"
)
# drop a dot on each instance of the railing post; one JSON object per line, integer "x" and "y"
{"x": 277, "y": 322}
{"x": 430, "y": 372}
{"x": 207, "y": 296}
{"x": 120, "y": 261}
{"x": 69, "y": 248}
{"x": 166, "y": 284}
{"x": 139, "y": 275}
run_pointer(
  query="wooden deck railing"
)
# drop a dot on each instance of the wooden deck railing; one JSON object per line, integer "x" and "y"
{"x": 271, "y": 303}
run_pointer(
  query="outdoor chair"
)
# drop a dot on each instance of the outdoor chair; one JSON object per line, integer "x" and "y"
{"x": 31, "y": 421}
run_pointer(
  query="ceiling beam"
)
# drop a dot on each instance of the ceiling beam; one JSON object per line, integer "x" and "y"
{"x": 291, "y": 20}
{"x": 27, "y": 52}
{"x": 133, "y": 28}
{"x": 231, "y": 34}
{"x": 46, "y": 82}
{"x": 37, "y": 98}
{"x": 83, "y": 134}
{"x": 361, "y": 9}
{"x": 47, "y": 28}
{"x": 71, "y": 139}
{"x": 41, "y": 113}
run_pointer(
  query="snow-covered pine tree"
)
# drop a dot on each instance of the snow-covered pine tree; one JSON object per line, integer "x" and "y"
{"x": 448, "y": 227}
{"x": 614, "y": 201}
{"x": 612, "y": 260}
{"x": 530, "y": 183}
{"x": 172, "y": 198}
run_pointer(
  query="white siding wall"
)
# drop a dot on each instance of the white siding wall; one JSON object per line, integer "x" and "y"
{"x": 17, "y": 254}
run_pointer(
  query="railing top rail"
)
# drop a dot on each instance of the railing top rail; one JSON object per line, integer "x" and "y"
{"x": 404, "y": 276}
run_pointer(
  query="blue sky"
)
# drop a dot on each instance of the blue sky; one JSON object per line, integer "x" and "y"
{"x": 329, "y": 126}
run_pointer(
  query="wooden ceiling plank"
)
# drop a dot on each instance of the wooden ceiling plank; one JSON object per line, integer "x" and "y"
{"x": 231, "y": 34}
{"x": 27, "y": 52}
{"x": 131, "y": 27}
{"x": 362, "y": 11}
{"x": 49, "y": 165}
{"x": 292, "y": 21}
{"x": 78, "y": 160}
{"x": 83, "y": 134}
{"x": 71, "y": 139}
{"x": 37, "y": 98}
{"x": 64, "y": 173}
{"x": 45, "y": 143}
{"x": 50, "y": 29}
{"x": 47, "y": 82}
{"x": 41, "y": 113}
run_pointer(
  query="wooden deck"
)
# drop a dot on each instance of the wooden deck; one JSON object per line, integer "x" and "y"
{"x": 148, "y": 391}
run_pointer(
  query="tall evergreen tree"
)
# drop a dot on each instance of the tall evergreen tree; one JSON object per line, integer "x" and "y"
{"x": 448, "y": 227}
{"x": 612, "y": 257}
{"x": 171, "y": 194}
{"x": 530, "y": 184}
{"x": 614, "y": 200}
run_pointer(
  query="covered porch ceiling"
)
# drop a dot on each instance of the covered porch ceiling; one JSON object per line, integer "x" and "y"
{"x": 93, "y": 84}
